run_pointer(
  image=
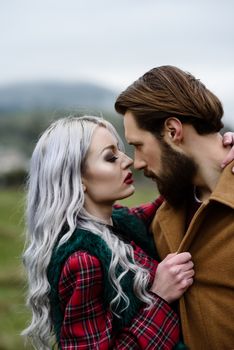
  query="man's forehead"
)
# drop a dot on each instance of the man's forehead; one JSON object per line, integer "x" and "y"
{"x": 130, "y": 126}
{"x": 133, "y": 133}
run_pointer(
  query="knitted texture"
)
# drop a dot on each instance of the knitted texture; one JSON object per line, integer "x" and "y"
{"x": 81, "y": 239}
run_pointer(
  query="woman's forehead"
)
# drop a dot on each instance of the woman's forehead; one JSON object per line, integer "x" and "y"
{"x": 102, "y": 139}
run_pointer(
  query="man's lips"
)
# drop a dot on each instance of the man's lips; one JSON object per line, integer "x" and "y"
{"x": 128, "y": 179}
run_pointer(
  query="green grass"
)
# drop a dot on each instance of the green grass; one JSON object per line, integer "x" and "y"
{"x": 13, "y": 313}
{"x": 143, "y": 194}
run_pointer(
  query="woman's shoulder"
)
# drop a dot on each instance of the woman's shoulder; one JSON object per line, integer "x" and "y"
{"x": 82, "y": 252}
{"x": 81, "y": 269}
{"x": 81, "y": 260}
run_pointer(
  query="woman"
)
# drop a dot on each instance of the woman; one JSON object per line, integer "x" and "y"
{"x": 90, "y": 282}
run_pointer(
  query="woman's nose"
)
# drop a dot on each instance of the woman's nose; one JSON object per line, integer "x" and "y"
{"x": 127, "y": 161}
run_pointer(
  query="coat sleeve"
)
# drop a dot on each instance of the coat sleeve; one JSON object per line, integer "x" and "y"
{"x": 88, "y": 325}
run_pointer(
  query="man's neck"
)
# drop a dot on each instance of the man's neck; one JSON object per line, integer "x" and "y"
{"x": 208, "y": 153}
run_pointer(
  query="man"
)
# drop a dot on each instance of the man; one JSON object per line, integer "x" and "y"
{"x": 173, "y": 121}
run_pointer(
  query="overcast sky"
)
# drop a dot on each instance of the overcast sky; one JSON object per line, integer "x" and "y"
{"x": 114, "y": 42}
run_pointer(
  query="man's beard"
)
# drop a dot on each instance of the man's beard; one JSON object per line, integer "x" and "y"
{"x": 175, "y": 180}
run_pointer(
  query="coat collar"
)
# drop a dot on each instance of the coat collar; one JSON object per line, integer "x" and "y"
{"x": 224, "y": 190}
{"x": 172, "y": 220}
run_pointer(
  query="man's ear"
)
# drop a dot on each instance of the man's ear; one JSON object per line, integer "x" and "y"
{"x": 173, "y": 130}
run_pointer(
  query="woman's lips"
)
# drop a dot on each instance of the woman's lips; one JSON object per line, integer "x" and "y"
{"x": 128, "y": 179}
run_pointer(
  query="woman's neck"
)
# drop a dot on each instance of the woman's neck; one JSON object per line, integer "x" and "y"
{"x": 102, "y": 212}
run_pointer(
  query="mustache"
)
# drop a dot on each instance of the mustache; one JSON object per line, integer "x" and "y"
{"x": 150, "y": 174}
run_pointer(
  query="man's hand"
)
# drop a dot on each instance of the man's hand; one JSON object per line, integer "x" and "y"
{"x": 228, "y": 140}
{"x": 174, "y": 276}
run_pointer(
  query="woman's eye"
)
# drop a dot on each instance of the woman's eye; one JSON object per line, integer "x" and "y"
{"x": 112, "y": 159}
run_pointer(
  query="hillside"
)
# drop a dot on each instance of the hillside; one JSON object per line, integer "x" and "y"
{"x": 26, "y": 109}
{"x": 53, "y": 95}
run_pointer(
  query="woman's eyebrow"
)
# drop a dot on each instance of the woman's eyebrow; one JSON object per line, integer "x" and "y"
{"x": 111, "y": 147}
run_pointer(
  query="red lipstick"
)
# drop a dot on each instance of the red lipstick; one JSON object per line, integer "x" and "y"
{"x": 128, "y": 179}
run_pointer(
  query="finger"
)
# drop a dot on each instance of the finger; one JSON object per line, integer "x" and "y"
{"x": 228, "y": 158}
{"x": 180, "y": 258}
{"x": 180, "y": 273}
{"x": 189, "y": 282}
{"x": 186, "y": 283}
{"x": 228, "y": 138}
{"x": 187, "y": 274}
{"x": 186, "y": 266}
{"x": 169, "y": 256}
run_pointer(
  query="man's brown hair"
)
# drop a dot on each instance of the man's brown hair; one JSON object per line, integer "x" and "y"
{"x": 169, "y": 91}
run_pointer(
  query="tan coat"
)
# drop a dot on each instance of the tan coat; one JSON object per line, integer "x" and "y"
{"x": 207, "y": 308}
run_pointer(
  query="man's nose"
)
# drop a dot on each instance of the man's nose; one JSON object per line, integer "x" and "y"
{"x": 139, "y": 164}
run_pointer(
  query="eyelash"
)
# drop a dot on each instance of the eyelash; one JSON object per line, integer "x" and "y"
{"x": 112, "y": 159}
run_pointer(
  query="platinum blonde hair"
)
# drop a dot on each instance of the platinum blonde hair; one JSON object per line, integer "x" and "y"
{"x": 55, "y": 198}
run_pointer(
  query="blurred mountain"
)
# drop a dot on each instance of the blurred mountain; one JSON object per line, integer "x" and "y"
{"x": 51, "y": 95}
{"x": 26, "y": 109}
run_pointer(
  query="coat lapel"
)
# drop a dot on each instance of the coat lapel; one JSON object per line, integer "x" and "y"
{"x": 172, "y": 224}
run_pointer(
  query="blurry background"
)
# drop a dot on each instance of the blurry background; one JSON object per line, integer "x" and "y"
{"x": 63, "y": 56}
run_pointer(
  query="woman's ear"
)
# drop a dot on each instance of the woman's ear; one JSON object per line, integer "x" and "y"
{"x": 173, "y": 130}
{"x": 83, "y": 182}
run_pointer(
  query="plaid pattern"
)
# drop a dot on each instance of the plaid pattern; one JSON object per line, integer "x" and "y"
{"x": 88, "y": 325}
{"x": 145, "y": 211}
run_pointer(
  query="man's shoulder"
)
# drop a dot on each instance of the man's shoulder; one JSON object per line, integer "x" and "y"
{"x": 224, "y": 190}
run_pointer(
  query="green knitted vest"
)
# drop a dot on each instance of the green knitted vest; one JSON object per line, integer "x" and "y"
{"x": 81, "y": 239}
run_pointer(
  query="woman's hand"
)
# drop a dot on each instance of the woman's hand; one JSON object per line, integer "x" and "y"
{"x": 174, "y": 276}
{"x": 228, "y": 140}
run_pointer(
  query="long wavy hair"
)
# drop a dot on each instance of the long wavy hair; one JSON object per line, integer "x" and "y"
{"x": 55, "y": 199}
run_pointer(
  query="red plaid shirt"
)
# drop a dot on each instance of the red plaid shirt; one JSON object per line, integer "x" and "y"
{"x": 88, "y": 325}
{"x": 146, "y": 211}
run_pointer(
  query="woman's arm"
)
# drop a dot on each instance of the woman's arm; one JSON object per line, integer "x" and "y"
{"x": 87, "y": 325}
{"x": 145, "y": 211}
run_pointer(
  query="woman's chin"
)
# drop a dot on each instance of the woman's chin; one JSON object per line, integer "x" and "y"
{"x": 130, "y": 192}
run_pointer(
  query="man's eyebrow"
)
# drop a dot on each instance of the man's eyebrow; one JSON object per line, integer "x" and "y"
{"x": 136, "y": 143}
